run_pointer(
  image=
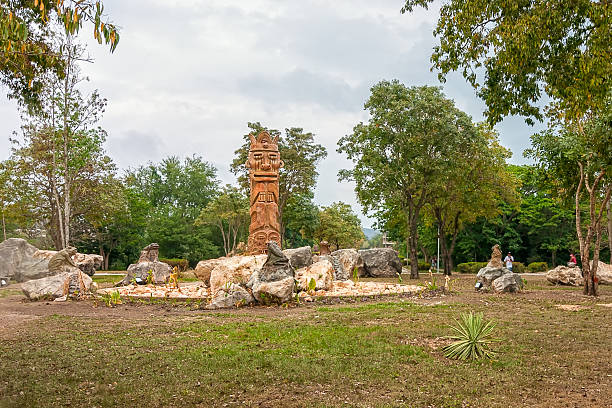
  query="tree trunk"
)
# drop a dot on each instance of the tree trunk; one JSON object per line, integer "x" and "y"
{"x": 553, "y": 255}
{"x": 3, "y": 224}
{"x": 425, "y": 254}
{"x": 413, "y": 244}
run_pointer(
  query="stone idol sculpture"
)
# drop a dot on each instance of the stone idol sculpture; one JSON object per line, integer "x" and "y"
{"x": 263, "y": 163}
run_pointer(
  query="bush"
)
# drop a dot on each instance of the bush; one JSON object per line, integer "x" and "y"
{"x": 537, "y": 267}
{"x": 470, "y": 267}
{"x": 473, "y": 338}
{"x": 423, "y": 266}
{"x": 518, "y": 267}
{"x": 181, "y": 264}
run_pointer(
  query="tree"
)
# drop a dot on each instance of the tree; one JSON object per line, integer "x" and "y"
{"x": 229, "y": 212}
{"x": 474, "y": 185}
{"x": 300, "y": 218}
{"x": 299, "y": 174}
{"x": 405, "y": 153}
{"x": 61, "y": 160}
{"x": 28, "y": 51}
{"x": 340, "y": 226}
{"x": 517, "y": 54}
{"x": 581, "y": 162}
{"x": 176, "y": 193}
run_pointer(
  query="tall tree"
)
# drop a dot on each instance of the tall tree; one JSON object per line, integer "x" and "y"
{"x": 517, "y": 54}
{"x": 405, "y": 153}
{"x": 581, "y": 162}
{"x": 229, "y": 212}
{"x": 340, "y": 226}
{"x": 475, "y": 184}
{"x": 176, "y": 193}
{"x": 28, "y": 51}
{"x": 301, "y": 156}
{"x": 61, "y": 158}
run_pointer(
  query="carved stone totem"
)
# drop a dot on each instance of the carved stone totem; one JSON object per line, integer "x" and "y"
{"x": 263, "y": 164}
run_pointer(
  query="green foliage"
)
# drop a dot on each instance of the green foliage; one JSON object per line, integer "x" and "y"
{"x": 229, "y": 213}
{"x": 181, "y": 264}
{"x": 518, "y": 267}
{"x": 312, "y": 285}
{"x": 149, "y": 277}
{"x": 537, "y": 267}
{"x": 300, "y": 218}
{"x": 470, "y": 267}
{"x": 517, "y": 53}
{"x": 111, "y": 299}
{"x": 340, "y": 226}
{"x": 175, "y": 193}
{"x": 473, "y": 338}
{"x": 398, "y": 153}
{"x": 355, "y": 274}
{"x": 28, "y": 50}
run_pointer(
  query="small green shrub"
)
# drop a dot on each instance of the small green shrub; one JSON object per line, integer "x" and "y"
{"x": 473, "y": 339}
{"x": 181, "y": 264}
{"x": 423, "y": 266}
{"x": 537, "y": 267}
{"x": 470, "y": 267}
{"x": 518, "y": 267}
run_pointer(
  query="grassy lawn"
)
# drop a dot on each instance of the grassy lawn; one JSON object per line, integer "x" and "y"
{"x": 375, "y": 354}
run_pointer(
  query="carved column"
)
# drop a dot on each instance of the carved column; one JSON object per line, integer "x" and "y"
{"x": 263, "y": 163}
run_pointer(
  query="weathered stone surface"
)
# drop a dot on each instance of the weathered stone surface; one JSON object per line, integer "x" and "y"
{"x": 232, "y": 296}
{"x": 87, "y": 263}
{"x": 204, "y": 268}
{"x": 324, "y": 248}
{"x": 236, "y": 269}
{"x": 263, "y": 163}
{"x": 381, "y": 262}
{"x": 160, "y": 272}
{"x": 70, "y": 284}
{"x": 509, "y": 282}
{"x": 604, "y": 273}
{"x": 496, "y": 257}
{"x": 499, "y": 280}
{"x": 62, "y": 261}
{"x": 277, "y": 266}
{"x": 274, "y": 283}
{"x": 563, "y": 275}
{"x": 279, "y": 291}
{"x": 299, "y": 257}
{"x": 150, "y": 253}
{"x": 322, "y": 272}
{"x": 17, "y": 262}
{"x": 349, "y": 259}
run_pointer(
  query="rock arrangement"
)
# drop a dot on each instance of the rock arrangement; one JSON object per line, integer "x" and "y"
{"x": 565, "y": 275}
{"x": 274, "y": 282}
{"x": 381, "y": 262}
{"x": 23, "y": 262}
{"x": 148, "y": 268}
{"x": 494, "y": 277}
{"x": 64, "y": 285}
{"x": 572, "y": 276}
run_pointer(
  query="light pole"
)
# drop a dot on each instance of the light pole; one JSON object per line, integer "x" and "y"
{"x": 438, "y": 257}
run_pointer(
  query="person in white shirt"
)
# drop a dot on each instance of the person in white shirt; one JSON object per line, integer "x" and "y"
{"x": 508, "y": 260}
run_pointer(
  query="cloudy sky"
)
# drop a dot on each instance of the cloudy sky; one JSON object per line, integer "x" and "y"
{"x": 188, "y": 75}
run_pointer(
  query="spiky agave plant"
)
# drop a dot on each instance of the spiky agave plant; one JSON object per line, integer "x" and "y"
{"x": 473, "y": 338}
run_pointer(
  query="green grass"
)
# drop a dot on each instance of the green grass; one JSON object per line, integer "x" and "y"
{"x": 370, "y": 355}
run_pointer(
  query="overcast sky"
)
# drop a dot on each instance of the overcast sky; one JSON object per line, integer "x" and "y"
{"x": 188, "y": 75}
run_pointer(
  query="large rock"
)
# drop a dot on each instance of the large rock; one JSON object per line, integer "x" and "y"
{"x": 87, "y": 263}
{"x": 299, "y": 257}
{"x": 322, "y": 272}
{"x": 160, "y": 272}
{"x": 604, "y": 273}
{"x": 499, "y": 279}
{"x": 381, "y": 262}
{"x": 70, "y": 284}
{"x": 17, "y": 262}
{"x": 232, "y": 296}
{"x": 349, "y": 259}
{"x": 237, "y": 269}
{"x": 564, "y": 275}
{"x": 275, "y": 282}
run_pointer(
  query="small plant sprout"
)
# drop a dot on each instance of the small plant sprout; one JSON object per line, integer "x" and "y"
{"x": 399, "y": 277}
{"x": 473, "y": 338}
{"x": 150, "y": 277}
{"x": 355, "y": 274}
{"x": 312, "y": 285}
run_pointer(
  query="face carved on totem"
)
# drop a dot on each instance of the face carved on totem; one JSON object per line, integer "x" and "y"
{"x": 264, "y": 159}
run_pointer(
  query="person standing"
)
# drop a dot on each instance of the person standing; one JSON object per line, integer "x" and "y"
{"x": 508, "y": 260}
